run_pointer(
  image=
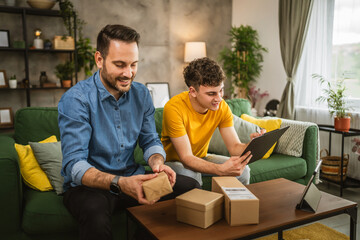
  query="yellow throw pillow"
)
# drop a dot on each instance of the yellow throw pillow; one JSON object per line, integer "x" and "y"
{"x": 30, "y": 169}
{"x": 268, "y": 124}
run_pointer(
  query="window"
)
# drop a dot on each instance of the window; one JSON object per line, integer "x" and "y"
{"x": 346, "y": 45}
{"x": 332, "y": 49}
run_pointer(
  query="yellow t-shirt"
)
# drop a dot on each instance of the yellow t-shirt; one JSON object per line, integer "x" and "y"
{"x": 179, "y": 119}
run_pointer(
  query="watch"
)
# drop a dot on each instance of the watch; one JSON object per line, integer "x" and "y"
{"x": 114, "y": 187}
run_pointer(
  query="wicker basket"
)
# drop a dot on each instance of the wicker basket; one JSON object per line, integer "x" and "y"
{"x": 331, "y": 165}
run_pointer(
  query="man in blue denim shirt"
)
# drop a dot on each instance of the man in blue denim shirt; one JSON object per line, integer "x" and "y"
{"x": 100, "y": 120}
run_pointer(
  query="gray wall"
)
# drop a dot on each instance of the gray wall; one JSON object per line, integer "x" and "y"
{"x": 164, "y": 25}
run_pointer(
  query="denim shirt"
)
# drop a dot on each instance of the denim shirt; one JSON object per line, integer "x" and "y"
{"x": 98, "y": 131}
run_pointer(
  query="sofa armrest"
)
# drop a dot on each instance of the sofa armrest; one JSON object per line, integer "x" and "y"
{"x": 310, "y": 150}
{"x": 11, "y": 186}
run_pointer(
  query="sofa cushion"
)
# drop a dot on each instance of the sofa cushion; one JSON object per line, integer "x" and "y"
{"x": 239, "y": 106}
{"x": 45, "y": 215}
{"x": 278, "y": 166}
{"x": 49, "y": 156}
{"x": 33, "y": 124}
{"x": 288, "y": 144}
{"x": 243, "y": 130}
{"x": 30, "y": 170}
{"x": 44, "y": 212}
{"x": 269, "y": 124}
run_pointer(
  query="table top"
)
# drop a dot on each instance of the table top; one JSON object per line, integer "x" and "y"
{"x": 278, "y": 199}
{"x": 330, "y": 128}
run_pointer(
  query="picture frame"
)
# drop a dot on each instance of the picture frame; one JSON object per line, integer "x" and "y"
{"x": 4, "y": 38}
{"x": 3, "y": 81}
{"x": 6, "y": 118}
{"x": 160, "y": 93}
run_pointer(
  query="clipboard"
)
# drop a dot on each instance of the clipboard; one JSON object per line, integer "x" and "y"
{"x": 260, "y": 145}
{"x": 311, "y": 196}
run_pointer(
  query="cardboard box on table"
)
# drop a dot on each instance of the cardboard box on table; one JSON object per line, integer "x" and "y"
{"x": 157, "y": 187}
{"x": 199, "y": 207}
{"x": 241, "y": 206}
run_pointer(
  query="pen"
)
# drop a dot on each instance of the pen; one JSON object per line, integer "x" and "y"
{"x": 258, "y": 130}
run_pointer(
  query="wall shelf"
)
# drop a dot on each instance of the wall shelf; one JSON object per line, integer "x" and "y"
{"x": 24, "y": 12}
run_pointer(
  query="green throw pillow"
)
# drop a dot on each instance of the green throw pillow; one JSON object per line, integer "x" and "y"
{"x": 49, "y": 157}
{"x": 242, "y": 128}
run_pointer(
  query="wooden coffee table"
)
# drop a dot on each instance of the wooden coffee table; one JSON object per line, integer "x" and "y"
{"x": 278, "y": 199}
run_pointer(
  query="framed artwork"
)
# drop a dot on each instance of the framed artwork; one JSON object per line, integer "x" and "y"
{"x": 4, "y": 38}
{"x": 3, "y": 82}
{"x": 6, "y": 118}
{"x": 160, "y": 93}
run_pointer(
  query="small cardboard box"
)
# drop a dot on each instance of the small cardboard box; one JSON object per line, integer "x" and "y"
{"x": 66, "y": 44}
{"x": 157, "y": 187}
{"x": 241, "y": 206}
{"x": 199, "y": 207}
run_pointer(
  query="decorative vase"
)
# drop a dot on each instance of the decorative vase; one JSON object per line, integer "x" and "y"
{"x": 43, "y": 78}
{"x": 12, "y": 83}
{"x": 66, "y": 83}
{"x": 38, "y": 43}
{"x": 342, "y": 124}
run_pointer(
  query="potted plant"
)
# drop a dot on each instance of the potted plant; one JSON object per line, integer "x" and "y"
{"x": 12, "y": 81}
{"x": 242, "y": 61}
{"x": 334, "y": 95}
{"x": 64, "y": 72}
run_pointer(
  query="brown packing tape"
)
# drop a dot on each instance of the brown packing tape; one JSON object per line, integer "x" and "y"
{"x": 157, "y": 187}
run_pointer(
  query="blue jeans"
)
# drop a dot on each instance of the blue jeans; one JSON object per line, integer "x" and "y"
{"x": 179, "y": 168}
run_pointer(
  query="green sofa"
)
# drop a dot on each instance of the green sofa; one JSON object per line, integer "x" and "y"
{"x": 30, "y": 214}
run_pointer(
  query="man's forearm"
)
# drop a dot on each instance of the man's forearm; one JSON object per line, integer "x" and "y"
{"x": 237, "y": 149}
{"x": 97, "y": 179}
{"x": 201, "y": 165}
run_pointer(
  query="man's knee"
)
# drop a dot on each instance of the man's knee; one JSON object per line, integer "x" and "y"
{"x": 185, "y": 183}
{"x": 179, "y": 168}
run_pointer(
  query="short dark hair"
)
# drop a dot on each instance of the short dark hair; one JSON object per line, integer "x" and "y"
{"x": 115, "y": 32}
{"x": 205, "y": 72}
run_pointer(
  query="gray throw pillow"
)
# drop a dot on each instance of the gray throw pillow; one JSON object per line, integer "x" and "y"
{"x": 49, "y": 157}
{"x": 243, "y": 130}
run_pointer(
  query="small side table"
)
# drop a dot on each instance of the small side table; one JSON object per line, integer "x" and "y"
{"x": 352, "y": 132}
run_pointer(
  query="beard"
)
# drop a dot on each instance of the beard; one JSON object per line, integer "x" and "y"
{"x": 114, "y": 83}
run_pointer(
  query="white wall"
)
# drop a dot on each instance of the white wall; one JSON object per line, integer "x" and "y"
{"x": 263, "y": 17}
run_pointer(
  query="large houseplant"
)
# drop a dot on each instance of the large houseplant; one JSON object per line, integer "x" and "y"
{"x": 242, "y": 61}
{"x": 334, "y": 95}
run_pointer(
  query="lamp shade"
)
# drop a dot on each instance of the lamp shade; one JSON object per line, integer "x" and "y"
{"x": 194, "y": 50}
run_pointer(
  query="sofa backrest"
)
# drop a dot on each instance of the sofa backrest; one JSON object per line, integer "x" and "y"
{"x": 33, "y": 124}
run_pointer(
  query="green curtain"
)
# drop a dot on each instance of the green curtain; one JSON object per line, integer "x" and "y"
{"x": 294, "y": 18}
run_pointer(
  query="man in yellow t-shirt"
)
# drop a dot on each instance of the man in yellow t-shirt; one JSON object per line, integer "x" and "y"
{"x": 190, "y": 119}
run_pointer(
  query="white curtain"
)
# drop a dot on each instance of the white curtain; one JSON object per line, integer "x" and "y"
{"x": 316, "y": 57}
